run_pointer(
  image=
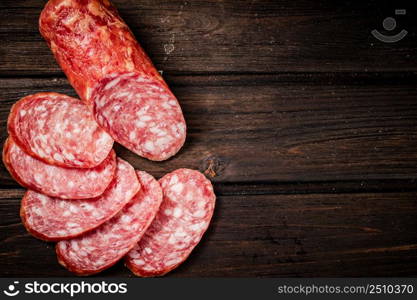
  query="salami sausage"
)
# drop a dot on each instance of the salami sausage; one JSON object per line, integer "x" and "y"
{"x": 54, "y": 219}
{"x": 56, "y": 181}
{"x": 103, "y": 247}
{"x": 183, "y": 217}
{"x": 113, "y": 75}
{"x": 155, "y": 124}
{"x": 58, "y": 130}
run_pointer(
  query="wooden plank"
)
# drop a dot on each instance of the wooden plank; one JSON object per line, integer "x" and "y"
{"x": 366, "y": 234}
{"x": 232, "y": 36}
{"x": 316, "y": 187}
{"x": 264, "y": 129}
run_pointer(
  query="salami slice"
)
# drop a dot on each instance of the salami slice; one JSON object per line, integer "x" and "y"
{"x": 103, "y": 247}
{"x": 54, "y": 219}
{"x": 59, "y": 130}
{"x": 96, "y": 50}
{"x": 183, "y": 217}
{"x": 140, "y": 115}
{"x": 56, "y": 181}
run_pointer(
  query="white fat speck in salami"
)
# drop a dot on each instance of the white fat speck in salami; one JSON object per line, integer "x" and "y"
{"x": 182, "y": 219}
{"x": 54, "y": 181}
{"x": 138, "y": 115}
{"x": 112, "y": 240}
{"x": 58, "y": 130}
{"x": 54, "y": 219}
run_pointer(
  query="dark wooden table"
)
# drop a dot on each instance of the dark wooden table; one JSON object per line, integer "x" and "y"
{"x": 306, "y": 124}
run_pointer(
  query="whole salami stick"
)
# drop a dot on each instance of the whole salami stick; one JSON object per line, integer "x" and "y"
{"x": 113, "y": 75}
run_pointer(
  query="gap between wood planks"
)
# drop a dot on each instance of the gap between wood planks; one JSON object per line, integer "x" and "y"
{"x": 288, "y": 188}
{"x": 400, "y": 77}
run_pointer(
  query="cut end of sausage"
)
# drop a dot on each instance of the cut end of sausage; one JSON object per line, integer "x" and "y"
{"x": 141, "y": 113}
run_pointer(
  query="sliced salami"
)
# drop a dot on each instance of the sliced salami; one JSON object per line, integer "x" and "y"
{"x": 96, "y": 50}
{"x": 89, "y": 41}
{"x": 139, "y": 114}
{"x": 54, "y": 219}
{"x": 64, "y": 183}
{"x": 103, "y": 247}
{"x": 183, "y": 217}
{"x": 58, "y": 130}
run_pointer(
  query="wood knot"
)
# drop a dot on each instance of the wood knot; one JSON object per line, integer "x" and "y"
{"x": 213, "y": 166}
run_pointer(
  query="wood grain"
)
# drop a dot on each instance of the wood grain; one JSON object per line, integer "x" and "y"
{"x": 251, "y": 128}
{"x": 370, "y": 234}
{"x": 303, "y": 121}
{"x": 232, "y": 36}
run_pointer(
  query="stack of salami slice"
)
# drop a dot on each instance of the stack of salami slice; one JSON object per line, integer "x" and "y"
{"x": 96, "y": 206}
